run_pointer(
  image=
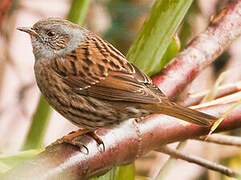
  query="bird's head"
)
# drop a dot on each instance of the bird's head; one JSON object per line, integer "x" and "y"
{"x": 53, "y": 37}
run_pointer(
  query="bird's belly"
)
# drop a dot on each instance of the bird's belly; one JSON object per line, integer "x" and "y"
{"x": 94, "y": 113}
{"x": 81, "y": 110}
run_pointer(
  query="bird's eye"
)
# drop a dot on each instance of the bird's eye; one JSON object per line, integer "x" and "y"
{"x": 35, "y": 29}
{"x": 51, "y": 33}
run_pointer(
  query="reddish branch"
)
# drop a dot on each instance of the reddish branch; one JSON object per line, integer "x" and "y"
{"x": 132, "y": 139}
{"x": 197, "y": 160}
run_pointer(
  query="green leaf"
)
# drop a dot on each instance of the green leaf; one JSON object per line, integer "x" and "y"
{"x": 225, "y": 114}
{"x": 12, "y": 159}
{"x": 210, "y": 96}
{"x": 119, "y": 173}
{"x": 156, "y": 34}
{"x": 4, "y": 168}
{"x": 141, "y": 178}
{"x": 170, "y": 53}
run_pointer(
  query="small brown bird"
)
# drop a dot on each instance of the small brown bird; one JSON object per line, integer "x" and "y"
{"x": 91, "y": 83}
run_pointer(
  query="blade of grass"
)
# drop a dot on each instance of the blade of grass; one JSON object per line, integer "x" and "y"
{"x": 4, "y": 168}
{"x": 156, "y": 34}
{"x": 9, "y": 161}
{"x": 170, "y": 53}
{"x": 210, "y": 96}
{"x": 12, "y": 159}
{"x": 225, "y": 114}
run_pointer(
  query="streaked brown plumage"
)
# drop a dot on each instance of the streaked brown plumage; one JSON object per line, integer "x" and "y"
{"x": 91, "y": 83}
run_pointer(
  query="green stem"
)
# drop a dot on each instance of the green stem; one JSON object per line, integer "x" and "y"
{"x": 78, "y": 11}
{"x": 39, "y": 125}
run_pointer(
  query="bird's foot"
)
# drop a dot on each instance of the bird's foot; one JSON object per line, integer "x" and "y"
{"x": 139, "y": 119}
{"x": 70, "y": 139}
{"x": 96, "y": 138}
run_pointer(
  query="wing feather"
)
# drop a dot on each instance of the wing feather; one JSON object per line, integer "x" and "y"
{"x": 98, "y": 70}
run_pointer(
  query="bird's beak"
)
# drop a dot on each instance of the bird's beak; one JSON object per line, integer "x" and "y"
{"x": 28, "y": 30}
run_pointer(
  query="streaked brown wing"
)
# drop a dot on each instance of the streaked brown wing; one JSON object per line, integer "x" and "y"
{"x": 97, "y": 69}
{"x": 119, "y": 86}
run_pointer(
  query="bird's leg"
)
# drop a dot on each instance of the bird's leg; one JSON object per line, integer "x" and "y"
{"x": 72, "y": 135}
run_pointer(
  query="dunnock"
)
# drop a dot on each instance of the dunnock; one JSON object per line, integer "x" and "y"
{"x": 91, "y": 83}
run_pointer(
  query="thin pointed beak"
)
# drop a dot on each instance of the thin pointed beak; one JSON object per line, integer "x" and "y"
{"x": 28, "y": 30}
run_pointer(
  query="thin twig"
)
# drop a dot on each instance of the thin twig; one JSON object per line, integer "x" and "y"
{"x": 169, "y": 163}
{"x": 224, "y": 90}
{"x": 200, "y": 161}
{"x": 235, "y": 97}
{"x": 221, "y": 139}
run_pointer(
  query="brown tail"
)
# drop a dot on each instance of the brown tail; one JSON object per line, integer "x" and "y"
{"x": 187, "y": 114}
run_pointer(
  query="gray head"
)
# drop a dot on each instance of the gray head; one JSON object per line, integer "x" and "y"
{"x": 54, "y": 37}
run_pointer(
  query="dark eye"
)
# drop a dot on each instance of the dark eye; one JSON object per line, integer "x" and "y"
{"x": 35, "y": 29}
{"x": 51, "y": 33}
